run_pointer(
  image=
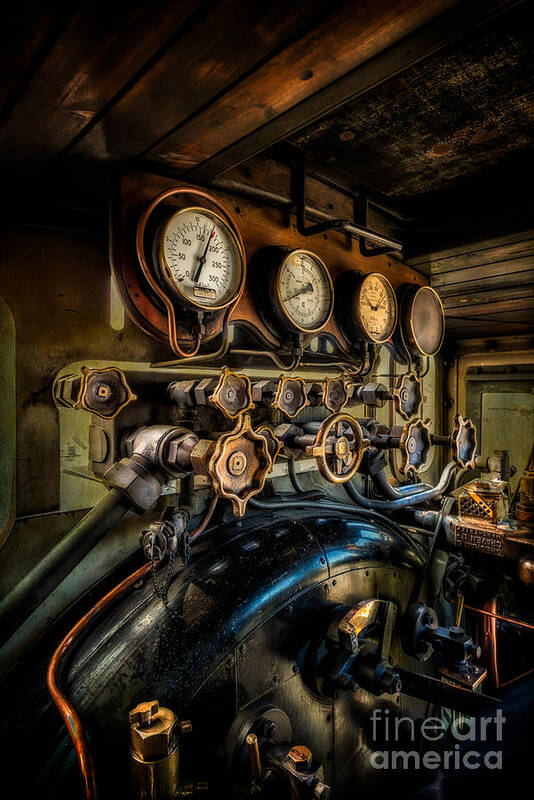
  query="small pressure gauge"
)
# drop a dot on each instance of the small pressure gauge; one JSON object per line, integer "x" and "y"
{"x": 301, "y": 293}
{"x": 367, "y": 307}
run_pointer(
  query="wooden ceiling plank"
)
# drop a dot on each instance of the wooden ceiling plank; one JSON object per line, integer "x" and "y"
{"x": 421, "y": 40}
{"x": 517, "y": 279}
{"x": 347, "y": 39}
{"x": 226, "y": 42}
{"x": 502, "y": 268}
{"x": 99, "y": 51}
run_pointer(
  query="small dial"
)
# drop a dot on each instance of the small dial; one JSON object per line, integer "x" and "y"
{"x": 305, "y": 292}
{"x": 201, "y": 258}
{"x": 377, "y": 307}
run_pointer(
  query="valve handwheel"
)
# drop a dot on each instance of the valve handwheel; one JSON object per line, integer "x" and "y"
{"x": 415, "y": 444}
{"x": 232, "y": 395}
{"x": 464, "y": 442}
{"x": 408, "y": 395}
{"x": 338, "y": 448}
{"x": 239, "y": 465}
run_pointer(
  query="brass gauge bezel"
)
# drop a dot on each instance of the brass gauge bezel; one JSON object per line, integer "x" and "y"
{"x": 166, "y": 272}
{"x": 283, "y": 318}
{"x": 349, "y": 289}
{"x": 367, "y": 335}
{"x": 407, "y": 322}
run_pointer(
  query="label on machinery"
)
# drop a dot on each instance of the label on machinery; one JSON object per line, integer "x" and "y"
{"x": 478, "y": 535}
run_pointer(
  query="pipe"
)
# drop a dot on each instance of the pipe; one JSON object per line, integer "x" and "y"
{"x": 201, "y": 527}
{"x": 385, "y": 488}
{"x": 36, "y": 586}
{"x": 319, "y": 505}
{"x": 65, "y": 708}
{"x": 402, "y": 502}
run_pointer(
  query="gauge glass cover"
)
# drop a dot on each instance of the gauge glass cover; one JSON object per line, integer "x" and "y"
{"x": 201, "y": 257}
{"x": 305, "y": 291}
{"x": 427, "y": 321}
{"x": 377, "y": 307}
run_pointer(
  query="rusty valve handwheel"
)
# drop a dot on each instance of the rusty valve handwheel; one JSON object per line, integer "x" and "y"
{"x": 290, "y": 396}
{"x": 335, "y": 395}
{"x": 239, "y": 464}
{"x": 338, "y": 448}
{"x": 232, "y": 395}
{"x": 464, "y": 442}
{"x": 104, "y": 392}
{"x": 274, "y": 444}
{"x": 415, "y": 444}
{"x": 408, "y": 395}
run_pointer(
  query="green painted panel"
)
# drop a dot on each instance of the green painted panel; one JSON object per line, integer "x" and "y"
{"x": 508, "y": 424}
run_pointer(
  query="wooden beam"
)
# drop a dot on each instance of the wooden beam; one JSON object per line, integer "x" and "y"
{"x": 29, "y": 29}
{"x": 225, "y": 42}
{"x": 103, "y": 46}
{"x": 399, "y": 41}
{"x": 345, "y": 40}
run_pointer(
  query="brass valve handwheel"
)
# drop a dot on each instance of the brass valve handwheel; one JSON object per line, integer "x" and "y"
{"x": 335, "y": 395}
{"x": 415, "y": 444}
{"x": 464, "y": 442}
{"x": 338, "y": 448}
{"x": 290, "y": 396}
{"x": 232, "y": 395}
{"x": 239, "y": 464}
{"x": 104, "y": 392}
{"x": 408, "y": 395}
{"x": 273, "y": 442}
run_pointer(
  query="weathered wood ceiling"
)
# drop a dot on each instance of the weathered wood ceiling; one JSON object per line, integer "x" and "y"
{"x": 428, "y": 103}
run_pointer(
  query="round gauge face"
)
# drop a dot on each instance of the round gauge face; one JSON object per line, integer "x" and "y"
{"x": 377, "y": 307}
{"x": 426, "y": 321}
{"x": 305, "y": 291}
{"x": 201, "y": 257}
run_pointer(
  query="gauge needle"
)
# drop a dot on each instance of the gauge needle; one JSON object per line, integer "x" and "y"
{"x": 202, "y": 258}
{"x": 305, "y": 289}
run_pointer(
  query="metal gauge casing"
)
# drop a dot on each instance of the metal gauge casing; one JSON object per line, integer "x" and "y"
{"x": 367, "y": 307}
{"x": 301, "y": 291}
{"x": 423, "y": 320}
{"x": 200, "y": 259}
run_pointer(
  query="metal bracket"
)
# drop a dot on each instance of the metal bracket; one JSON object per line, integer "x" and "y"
{"x": 350, "y": 227}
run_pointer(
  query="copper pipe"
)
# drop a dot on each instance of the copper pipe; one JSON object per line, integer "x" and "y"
{"x": 517, "y": 678}
{"x": 201, "y": 527}
{"x": 65, "y": 708}
{"x": 510, "y": 620}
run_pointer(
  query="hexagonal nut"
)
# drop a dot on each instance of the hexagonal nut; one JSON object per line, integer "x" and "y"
{"x": 200, "y": 456}
{"x": 156, "y": 739}
{"x": 300, "y": 757}
{"x": 137, "y": 484}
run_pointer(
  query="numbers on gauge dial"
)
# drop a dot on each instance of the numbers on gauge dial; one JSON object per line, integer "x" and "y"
{"x": 201, "y": 257}
{"x": 305, "y": 290}
{"x": 377, "y": 307}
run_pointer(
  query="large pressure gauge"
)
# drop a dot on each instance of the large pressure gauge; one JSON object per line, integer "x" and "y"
{"x": 423, "y": 320}
{"x": 302, "y": 293}
{"x": 367, "y": 307}
{"x": 200, "y": 259}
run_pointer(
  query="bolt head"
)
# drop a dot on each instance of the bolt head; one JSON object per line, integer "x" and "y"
{"x": 300, "y": 757}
